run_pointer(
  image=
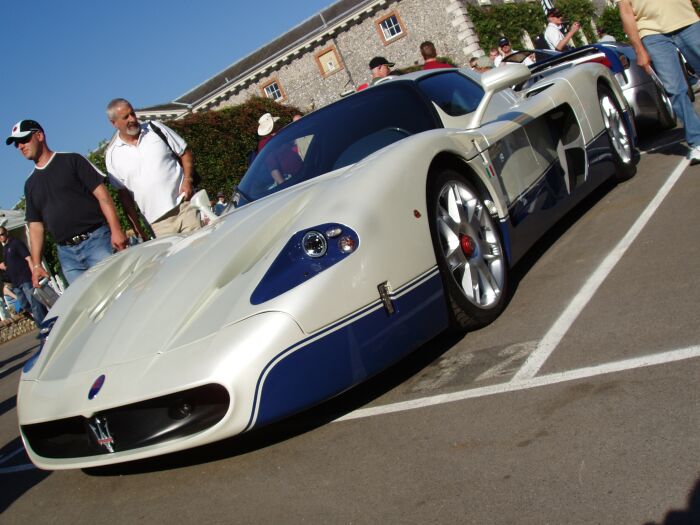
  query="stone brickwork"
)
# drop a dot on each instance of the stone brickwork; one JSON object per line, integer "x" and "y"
{"x": 11, "y": 328}
{"x": 444, "y": 22}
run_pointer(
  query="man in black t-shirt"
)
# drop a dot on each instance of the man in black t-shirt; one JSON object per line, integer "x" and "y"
{"x": 66, "y": 195}
{"x": 17, "y": 264}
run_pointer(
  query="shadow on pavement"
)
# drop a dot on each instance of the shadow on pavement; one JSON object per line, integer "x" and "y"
{"x": 688, "y": 516}
{"x": 296, "y": 425}
{"x": 21, "y": 355}
{"x": 17, "y": 474}
{"x": 8, "y": 405}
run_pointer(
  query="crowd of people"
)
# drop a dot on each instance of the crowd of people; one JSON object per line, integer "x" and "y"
{"x": 152, "y": 167}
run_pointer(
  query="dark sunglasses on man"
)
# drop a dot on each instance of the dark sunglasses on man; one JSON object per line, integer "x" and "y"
{"x": 24, "y": 140}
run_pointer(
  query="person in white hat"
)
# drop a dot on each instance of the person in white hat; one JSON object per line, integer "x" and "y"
{"x": 266, "y": 124}
{"x": 283, "y": 161}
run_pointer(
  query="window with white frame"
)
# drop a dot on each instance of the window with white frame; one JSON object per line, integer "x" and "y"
{"x": 391, "y": 27}
{"x": 273, "y": 91}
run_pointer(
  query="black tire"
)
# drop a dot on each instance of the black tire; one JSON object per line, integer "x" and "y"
{"x": 469, "y": 251}
{"x": 622, "y": 147}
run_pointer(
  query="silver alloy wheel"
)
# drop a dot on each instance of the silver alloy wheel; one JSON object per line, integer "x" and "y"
{"x": 470, "y": 244}
{"x": 616, "y": 128}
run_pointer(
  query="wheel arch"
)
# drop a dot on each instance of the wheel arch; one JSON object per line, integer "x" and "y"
{"x": 484, "y": 187}
{"x": 616, "y": 90}
{"x": 448, "y": 160}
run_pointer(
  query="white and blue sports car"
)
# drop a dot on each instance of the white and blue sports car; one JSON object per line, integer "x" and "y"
{"x": 360, "y": 232}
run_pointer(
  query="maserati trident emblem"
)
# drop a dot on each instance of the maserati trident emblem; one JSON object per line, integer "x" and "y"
{"x": 99, "y": 428}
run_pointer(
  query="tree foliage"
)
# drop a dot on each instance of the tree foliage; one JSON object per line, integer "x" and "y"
{"x": 612, "y": 24}
{"x": 221, "y": 141}
{"x": 509, "y": 20}
{"x": 512, "y": 20}
{"x": 581, "y": 11}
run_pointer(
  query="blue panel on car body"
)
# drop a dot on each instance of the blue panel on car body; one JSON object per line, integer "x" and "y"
{"x": 351, "y": 351}
{"x": 293, "y": 267}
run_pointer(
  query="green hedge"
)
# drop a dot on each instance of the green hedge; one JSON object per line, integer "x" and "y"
{"x": 509, "y": 20}
{"x": 221, "y": 140}
{"x": 611, "y": 22}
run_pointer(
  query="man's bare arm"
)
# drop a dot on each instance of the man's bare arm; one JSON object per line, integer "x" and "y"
{"x": 110, "y": 213}
{"x": 629, "y": 24}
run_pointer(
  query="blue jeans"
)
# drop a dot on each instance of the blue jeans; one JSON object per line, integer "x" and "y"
{"x": 76, "y": 259}
{"x": 662, "y": 50}
{"x": 38, "y": 310}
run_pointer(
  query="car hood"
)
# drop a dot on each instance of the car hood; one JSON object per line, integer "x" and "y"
{"x": 169, "y": 292}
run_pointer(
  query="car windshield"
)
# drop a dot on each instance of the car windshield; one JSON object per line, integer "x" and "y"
{"x": 336, "y": 136}
{"x": 452, "y": 92}
{"x": 519, "y": 56}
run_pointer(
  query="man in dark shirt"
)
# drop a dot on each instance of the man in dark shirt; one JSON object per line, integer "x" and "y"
{"x": 17, "y": 264}
{"x": 65, "y": 195}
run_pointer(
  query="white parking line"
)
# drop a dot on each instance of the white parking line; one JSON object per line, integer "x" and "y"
{"x": 513, "y": 386}
{"x": 555, "y": 334}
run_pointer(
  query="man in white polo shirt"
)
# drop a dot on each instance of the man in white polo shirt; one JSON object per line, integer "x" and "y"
{"x": 150, "y": 163}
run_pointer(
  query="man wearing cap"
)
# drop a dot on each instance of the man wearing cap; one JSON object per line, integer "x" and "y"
{"x": 429, "y": 54}
{"x": 505, "y": 49}
{"x": 553, "y": 33}
{"x": 150, "y": 164}
{"x": 655, "y": 29}
{"x": 65, "y": 195}
{"x": 380, "y": 68}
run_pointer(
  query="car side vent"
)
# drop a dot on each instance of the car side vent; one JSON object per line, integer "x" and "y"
{"x": 537, "y": 90}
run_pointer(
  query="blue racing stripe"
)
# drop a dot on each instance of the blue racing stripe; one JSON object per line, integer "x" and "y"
{"x": 350, "y": 351}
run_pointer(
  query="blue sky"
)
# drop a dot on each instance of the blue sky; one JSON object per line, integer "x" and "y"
{"x": 63, "y": 60}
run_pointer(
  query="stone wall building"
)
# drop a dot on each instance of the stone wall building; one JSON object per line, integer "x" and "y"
{"x": 327, "y": 55}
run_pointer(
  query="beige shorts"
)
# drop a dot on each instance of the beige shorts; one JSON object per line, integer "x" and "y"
{"x": 182, "y": 218}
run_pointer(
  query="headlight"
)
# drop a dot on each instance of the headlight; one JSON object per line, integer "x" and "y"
{"x": 314, "y": 244}
{"x": 308, "y": 253}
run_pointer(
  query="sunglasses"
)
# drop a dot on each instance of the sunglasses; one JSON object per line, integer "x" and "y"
{"x": 3, "y": 234}
{"x": 24, "y": 140}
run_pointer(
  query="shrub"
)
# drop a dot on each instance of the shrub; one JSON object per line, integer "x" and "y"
{"x": 509, "y": 20}
{"x": 583, "y": 12}
{"x": 222, "y": 140}
{"x": 611, "y": 22}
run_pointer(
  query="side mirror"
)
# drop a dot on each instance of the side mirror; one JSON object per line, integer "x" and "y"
{"x": 496, "y": 80}
{"x": 200, "y": 201}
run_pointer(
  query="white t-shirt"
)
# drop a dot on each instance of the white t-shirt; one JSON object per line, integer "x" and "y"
{"x": 553, "y": 35}
{"x": 148, "y": 169}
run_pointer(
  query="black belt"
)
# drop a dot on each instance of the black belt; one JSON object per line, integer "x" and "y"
{"x": 77, "y": 239}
